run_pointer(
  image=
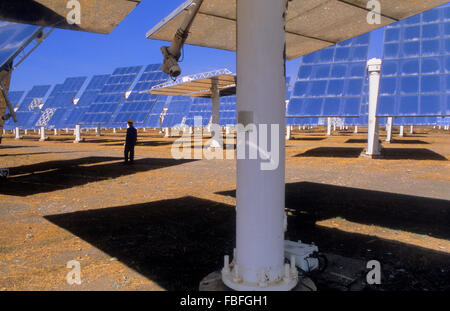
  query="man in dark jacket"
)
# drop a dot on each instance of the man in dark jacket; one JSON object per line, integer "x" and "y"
{"x": 130, "y": 142}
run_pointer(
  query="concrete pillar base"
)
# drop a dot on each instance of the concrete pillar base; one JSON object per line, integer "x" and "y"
{"x": 213, "y": 282}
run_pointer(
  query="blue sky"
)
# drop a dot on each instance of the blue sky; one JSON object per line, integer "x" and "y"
{"x": 67, "y": 53}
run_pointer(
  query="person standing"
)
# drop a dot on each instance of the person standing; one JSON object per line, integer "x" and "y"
{"x": 130, "y": 142}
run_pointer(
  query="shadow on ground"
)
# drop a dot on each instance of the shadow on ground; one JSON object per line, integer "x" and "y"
{"x": 144, "y": 143}
{"x": 174, "y": 243}
{"x": 33, "y": 153}
{"x": 177, "y": 242}
{"x": 396, "y": 211}
{"x": 425, "y": 268}
{"x": 394, "y": 141}
{"x": 14, "y": 147}
{"x": 386, "y": 154}
{"x": 308, "y": 138}
{"x": 56, "y": 175}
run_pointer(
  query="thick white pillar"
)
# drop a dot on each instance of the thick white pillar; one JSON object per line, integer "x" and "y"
{"x": 25, "y": 132}
{"x": 55, "y": 131}
{"x": 98, "y": 130}
{"x": 328, "y": 126}
{"x": 42, "y": 131}
{"x": 389, "y": 129}
{"x": 166, "y": 132}
{"x": 373, "y": 144}
{"x": 18, "y": 133}
{"x": 261, "y": 88}
{"x": 402, "y": 131}
{"x": 215, "y": 97}
{"x": 77, "y": 134}
{"x": 411, "y": 130}
{"x": 288, "y": 132}
{"x": 356, "y": 129}
{"x": 114, "y": 130}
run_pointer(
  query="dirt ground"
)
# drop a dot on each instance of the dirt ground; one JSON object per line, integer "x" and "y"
{"x": 164, "y": 224}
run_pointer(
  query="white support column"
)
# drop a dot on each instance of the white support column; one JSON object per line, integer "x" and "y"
{"x": 373, "y": 144}
{"x": 356, "y": 129}
{"x": 42, "y": 131}
{"x": 411, "y": 130}
{"x": 215, "y": 97}
{"x": 389, "y": 129}
{"x": 77, "y": 134}
{"x": 67, "y": 130}
{"x": 288, "y": 132}
{"x": 98, "y": 130}
{"x": 329, "y": 127}
{"x": 18, "y": 133}
{"x": 25, "y": 132}
{"x": 259, "y": 261}
{"x": 166, "y": 132}
{"x": 402, "y": 131}
{"x": 55, "y": 131}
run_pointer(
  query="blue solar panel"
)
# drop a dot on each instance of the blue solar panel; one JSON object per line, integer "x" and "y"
{"x": 154, "y": 117}
{"x": 227, "y": 111}
{"x": 110, "y": 96}
{"x": 201, "y": 107}
{"x": 178, "y": 109}
{"x": 332, "y": 82}
{"x": 415, "y": 77}
{"x": 33, "y": 97}
{"x": 15, "y": 97}
{"x": 72, "y": 115}
{"x": 13, "y": 39}
{"x": 62, "y": 95}
{"x": 138, "y": 105}
{"x": 415, "y": 121}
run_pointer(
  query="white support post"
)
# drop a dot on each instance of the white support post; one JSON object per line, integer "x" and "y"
{"x": 260, "y": 202}
{"x": 329, "y": 127}
{"x": 67, "y": 130}
{"x": 215, "y": 143}
{"x": 166, "y": 132}
{"x": 114, "y": 130}
{"x": 288, "y": 132}
{"x": 402, "y": 131}
{"x": 42, "y": 131}
{"x": 389, "y": 129}
{"x": 77, "y": 134}
{"x": 55, "y": 132}
{"x": 356, "y": 129}
{"x": 18, "y": 133}
{"x": 373, "y": 143}
{"x": 411, "y": 130}
{"x": 98, "y": 130}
